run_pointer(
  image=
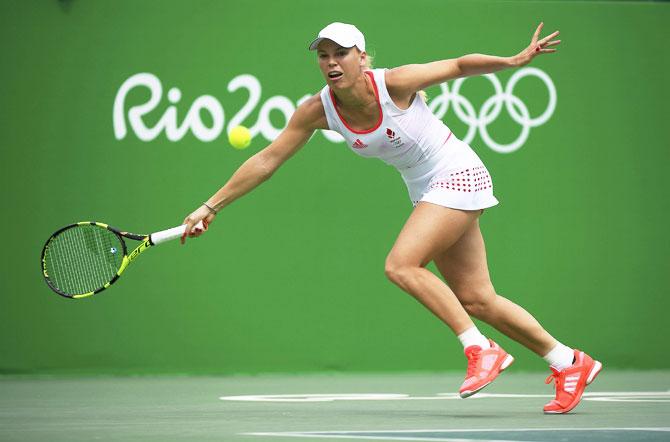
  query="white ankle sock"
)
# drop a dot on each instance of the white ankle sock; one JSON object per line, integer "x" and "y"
{"x": 560, "y": 357}
{"x": 473, "y": 336}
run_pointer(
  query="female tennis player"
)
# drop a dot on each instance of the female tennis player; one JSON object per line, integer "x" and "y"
{"x": 382, "y": 113}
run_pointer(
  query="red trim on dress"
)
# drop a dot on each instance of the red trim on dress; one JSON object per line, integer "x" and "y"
{"x": 381, "y": 114}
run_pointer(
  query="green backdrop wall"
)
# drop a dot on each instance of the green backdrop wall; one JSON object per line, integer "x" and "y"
{"x": 290, "y": 278}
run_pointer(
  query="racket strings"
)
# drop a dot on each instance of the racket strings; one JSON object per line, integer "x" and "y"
{"x": 83, "y": 259}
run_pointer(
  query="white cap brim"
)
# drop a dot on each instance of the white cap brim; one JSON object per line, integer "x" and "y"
{"x": 344, "y": 44}
{"x": 315, "y": 43}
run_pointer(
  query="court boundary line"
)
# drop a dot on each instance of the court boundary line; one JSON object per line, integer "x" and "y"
{"x": 608, "y": 396}
{"x": 360, "y": 434}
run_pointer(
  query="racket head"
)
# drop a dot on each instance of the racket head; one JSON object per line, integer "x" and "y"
{"x": 82, "y": 259}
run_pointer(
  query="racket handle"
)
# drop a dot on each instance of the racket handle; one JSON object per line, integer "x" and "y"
{"x": 173, "y": 233}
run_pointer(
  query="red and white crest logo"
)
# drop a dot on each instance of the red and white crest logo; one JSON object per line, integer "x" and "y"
{"x": 395, "y": 141}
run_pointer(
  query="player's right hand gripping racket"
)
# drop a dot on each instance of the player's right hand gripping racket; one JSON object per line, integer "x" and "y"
{"x": 85, "y": 258}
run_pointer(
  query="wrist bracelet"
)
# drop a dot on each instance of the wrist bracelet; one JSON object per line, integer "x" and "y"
{"x": 211, "y": 209}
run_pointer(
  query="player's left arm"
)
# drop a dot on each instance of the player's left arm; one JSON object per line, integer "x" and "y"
{"x": 408, "y": 79}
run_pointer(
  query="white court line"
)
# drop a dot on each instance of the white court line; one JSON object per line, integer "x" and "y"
{"x": 386, "y": 438}
{"x": 388, "y": 434}
{"x": 612, "y": 396}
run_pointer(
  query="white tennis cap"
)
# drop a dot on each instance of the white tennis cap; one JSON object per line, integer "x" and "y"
{"x": 343, "y": 34}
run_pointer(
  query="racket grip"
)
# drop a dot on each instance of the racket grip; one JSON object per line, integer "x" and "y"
{"x": 173, "y": 233}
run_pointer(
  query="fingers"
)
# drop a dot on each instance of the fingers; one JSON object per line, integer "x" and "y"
{"x": 548, "y": 37}
{"x": 544, "y": 48}
{"x": 191, "y": 232}
{"x": 194, "y": 229}
{"x": 545, "y": 42}
{"x": 196, "y": 223}
{"x": 189, "y": 225}
{"x": 536, "y": 35}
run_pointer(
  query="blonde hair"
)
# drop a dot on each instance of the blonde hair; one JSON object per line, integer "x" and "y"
{"x": 369, "y": 59}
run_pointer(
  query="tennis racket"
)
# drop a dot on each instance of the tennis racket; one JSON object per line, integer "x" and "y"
{"x": 85, "y": 258}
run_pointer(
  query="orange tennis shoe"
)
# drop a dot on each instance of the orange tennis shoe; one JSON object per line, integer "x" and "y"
{"x": 483, "y": 367}
{"x": 571, "y": 382}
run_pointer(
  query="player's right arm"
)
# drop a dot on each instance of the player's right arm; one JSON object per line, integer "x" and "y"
{"x": 309, "y": 117}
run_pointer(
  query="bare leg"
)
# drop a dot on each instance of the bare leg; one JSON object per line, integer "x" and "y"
{"x": 464, "y": 267}
{"x": 429, "y": 232}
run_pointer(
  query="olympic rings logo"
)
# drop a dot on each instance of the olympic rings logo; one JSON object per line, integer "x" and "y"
{"x": 490, "y": 110}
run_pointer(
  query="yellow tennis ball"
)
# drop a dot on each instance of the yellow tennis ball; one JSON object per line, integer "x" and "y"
{"x": 239, "y": 137}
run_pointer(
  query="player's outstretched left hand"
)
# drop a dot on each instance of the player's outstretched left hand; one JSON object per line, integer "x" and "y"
{"x": 537, "y": 46}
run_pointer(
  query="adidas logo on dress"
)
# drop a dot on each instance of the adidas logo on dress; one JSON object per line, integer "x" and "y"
{"x": 358, "y": 144}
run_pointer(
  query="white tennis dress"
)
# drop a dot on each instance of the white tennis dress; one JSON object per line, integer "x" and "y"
{"x": 436, "y": 166}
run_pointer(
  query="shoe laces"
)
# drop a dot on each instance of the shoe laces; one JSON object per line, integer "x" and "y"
{"x": 557, "y": 377}
{"x": 473, "y": 354}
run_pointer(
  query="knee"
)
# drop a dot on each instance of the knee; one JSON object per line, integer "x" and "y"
{"x": 397, "y": 272}
{"x": 480, "y": 303}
